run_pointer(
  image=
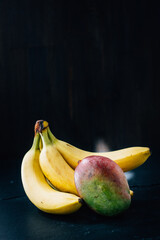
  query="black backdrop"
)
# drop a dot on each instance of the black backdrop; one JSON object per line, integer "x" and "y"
{"x": 91, "y": 69}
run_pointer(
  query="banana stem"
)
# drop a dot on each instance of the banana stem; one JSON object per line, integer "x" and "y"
{"x": 36, "y": 141}
{"x": 51, "y": 136}
{"x": 45, "y": 137}
{"x": 40, "y": 144}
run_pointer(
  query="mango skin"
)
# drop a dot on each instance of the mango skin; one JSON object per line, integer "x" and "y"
{"x": 102, "y": 185}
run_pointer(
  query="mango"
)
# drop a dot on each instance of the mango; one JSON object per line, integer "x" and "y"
{"x": 101, "y": 183}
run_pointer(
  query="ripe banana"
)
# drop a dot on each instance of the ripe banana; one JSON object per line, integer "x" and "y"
{"x": 38, "y": 190}
{"x": 127, "y": 158}
{"x": 54, "y": 167}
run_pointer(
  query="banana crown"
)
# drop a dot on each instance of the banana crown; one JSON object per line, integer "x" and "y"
{"x": 42, "y": 127}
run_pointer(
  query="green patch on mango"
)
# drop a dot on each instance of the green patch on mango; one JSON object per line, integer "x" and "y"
{"x": 104, "y": 198}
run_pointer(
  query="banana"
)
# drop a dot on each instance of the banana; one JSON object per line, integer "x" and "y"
{"x": 127, "y": 158}
{"x": 131, "y": 193}
{"x": 38, "y": 190}
{"x": 54, "y": 167}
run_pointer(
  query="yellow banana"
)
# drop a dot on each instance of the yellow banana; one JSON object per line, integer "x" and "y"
{"x": 127, "y": 158}
{"x": 38, "y": 190}
{"x": 54, "y": 167}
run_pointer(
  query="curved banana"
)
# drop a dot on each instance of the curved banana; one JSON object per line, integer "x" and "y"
{"x": 54, "y": 167}
{"x": 127, "y": 158}
{"x": 38, "y": 190}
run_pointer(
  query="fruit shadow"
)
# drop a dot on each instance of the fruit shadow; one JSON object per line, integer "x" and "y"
{"x": 85, "y": 215}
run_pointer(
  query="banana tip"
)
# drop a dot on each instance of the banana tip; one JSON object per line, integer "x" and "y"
{"x": 131, "y": 193}
{"x": 80, "y": 200}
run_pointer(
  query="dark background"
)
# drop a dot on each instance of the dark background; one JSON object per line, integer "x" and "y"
{"x": 90, "y": 69}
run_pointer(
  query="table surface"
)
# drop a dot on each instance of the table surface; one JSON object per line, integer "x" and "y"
{"x": 20, "y": 219}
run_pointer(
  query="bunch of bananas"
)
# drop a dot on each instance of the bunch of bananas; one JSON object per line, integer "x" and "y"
{"x": 47, "y": 170}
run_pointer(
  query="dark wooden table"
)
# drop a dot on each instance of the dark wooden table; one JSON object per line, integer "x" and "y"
{"x": 20, "y": 219}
